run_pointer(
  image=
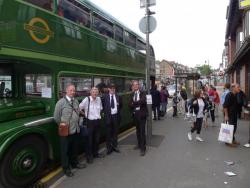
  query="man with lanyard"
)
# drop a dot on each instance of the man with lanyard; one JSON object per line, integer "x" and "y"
{"x": 138, "y": 105}
{"x": 94, "y": 104}
{"x": 230, "y": 110}
{"x": 67, "y": 111}
{"x": 112, "y": 105}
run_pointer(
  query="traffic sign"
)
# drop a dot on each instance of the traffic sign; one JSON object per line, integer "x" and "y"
{"x": 143, "y": 24}
{"x": 150, "y": 3}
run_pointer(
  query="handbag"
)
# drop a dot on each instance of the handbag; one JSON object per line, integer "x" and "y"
{"x": 226, "y": 133}
{"x": 63, "y": 129}
{"x": 83, "y": 126}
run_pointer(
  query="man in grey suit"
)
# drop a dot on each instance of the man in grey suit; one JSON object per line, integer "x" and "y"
{"x": 67, "y": 111}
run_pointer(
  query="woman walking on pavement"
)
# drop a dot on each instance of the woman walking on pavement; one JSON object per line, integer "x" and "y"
{"x": 199, "y": 107}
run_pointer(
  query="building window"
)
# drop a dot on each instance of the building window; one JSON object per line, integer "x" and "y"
{"x": 246, "y": 24}
{"x": 238, "y": 76}
{"x": 239, "y": 40}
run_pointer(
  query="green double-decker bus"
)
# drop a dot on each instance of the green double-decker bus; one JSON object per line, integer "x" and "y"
{"x": 44, "y": 45}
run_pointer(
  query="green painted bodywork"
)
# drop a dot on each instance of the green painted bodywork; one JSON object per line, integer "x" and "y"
{"x": 71, "y": 49}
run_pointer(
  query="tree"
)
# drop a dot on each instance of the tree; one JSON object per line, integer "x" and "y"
{"x": 204, "y": 70}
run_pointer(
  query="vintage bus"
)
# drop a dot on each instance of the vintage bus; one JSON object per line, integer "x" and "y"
{"x": 44, "y": 45}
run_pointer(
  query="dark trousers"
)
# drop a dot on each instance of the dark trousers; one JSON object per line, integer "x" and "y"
{"x": 186, "y": 106}
{"x": 212, "y": 115}
{"x": 174, "y": 111}
{"x": 112, "y": 130}
{"x": 156, "y": 110}
{"x": 197, "y": 125}
{"x": 239, "y": 111}
{"x": 94, "y": 134}
{"x": 233, "y": 121}
{"x": 249, "y": 134}
{"x": 69, "y": 145}
{"x": 140, "y": 131}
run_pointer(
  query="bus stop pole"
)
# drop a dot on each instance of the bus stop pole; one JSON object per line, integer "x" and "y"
{"x": 149, "y": 106}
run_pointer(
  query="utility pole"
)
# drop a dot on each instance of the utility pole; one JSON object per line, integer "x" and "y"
{"x": 147, "y": 25}
{"x": 149, "y": 106}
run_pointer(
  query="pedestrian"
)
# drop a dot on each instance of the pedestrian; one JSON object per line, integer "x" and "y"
{"x": 184, "y": 97}
{"x": 216, "y": 101}
{"x": 94, "y": 104}
{"x": 230, "y": 110}
{"x": 112, "y": 104}
{"x": 156, "y": 101}
{"x": 138, "y": 106}
{"x": 247, "y": 145}
{"x": 176, "y": 100}
{"x": 223, "y": 95}
{"x": 67, "y": 114}
{"x": 199, "y": 107}
{"x": 164, "y": 100}
{"x": 209, "y": 105}
{"x": 241, "y": 102}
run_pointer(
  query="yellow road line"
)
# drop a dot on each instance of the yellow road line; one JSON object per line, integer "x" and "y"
{"x": 51, "y": 175}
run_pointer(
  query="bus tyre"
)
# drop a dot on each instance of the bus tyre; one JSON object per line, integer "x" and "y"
{"x": 23, "y": 162}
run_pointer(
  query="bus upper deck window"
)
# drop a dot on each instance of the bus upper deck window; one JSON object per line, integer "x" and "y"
{"x": 45, "y": 4}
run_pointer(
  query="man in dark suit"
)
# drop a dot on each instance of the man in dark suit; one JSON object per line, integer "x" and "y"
{"x": 112, "y": 105}
{"x": 138, "y": 105}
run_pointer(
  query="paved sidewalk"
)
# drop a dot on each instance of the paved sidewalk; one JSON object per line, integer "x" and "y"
{"x": 170, "y": 162}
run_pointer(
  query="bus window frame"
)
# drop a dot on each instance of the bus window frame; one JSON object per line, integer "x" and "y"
{"x": 25, "y": 94}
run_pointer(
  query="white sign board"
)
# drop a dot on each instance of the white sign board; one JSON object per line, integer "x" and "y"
{"x": 149, "y": 99}
{"x": 150, "y": 3}
{"x": 46, "y": 92}
{"x": 143, "y": 24}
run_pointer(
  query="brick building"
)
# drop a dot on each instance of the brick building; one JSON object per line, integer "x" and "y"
{"x": 237, "y": 44}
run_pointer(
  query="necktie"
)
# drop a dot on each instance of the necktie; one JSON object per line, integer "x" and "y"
{"x": 136, "y": 96}
{"x": 112, "y": 102}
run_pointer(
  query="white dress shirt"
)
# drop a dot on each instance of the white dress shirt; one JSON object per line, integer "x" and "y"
{"x": 95, "y": 108}
{"x": 137, "y": 98}
{"x": 113, "y": 110}
{"x": 201, "y": 108}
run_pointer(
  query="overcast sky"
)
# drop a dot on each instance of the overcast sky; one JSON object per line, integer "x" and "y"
{"x": 188, "y": 31}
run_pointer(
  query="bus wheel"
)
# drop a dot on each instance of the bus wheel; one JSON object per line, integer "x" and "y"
{"x": 23, "y": 162}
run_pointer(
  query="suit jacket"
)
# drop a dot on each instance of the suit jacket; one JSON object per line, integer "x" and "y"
{"x": 142, "y": 103}
{"x": 106, "y": 103}
{"x": 195, "y": 107}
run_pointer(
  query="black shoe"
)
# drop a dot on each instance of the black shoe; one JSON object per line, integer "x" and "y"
{"x": 116, "y": 150}
{"x": 99, "y": 155}
{"x": 68, "y": 173}
{"x": 109, "y": 151}
{"x": 142, "y": 153}
{"x": 79, "y": 165}
{"x": 154, "y": 119}
{"x": 90, "y": 160}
